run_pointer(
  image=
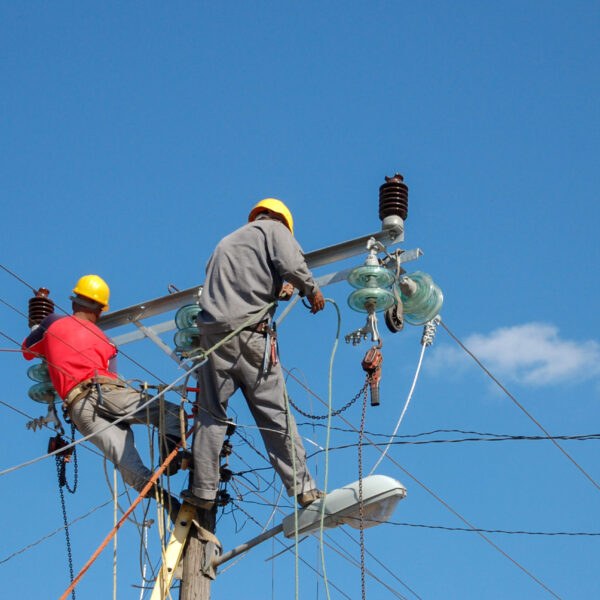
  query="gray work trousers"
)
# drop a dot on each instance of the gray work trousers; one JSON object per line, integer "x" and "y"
{"x": 116, "y": 442}
{"x": 238, "y": 364}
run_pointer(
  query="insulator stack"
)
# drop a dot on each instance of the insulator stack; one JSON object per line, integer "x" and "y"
{"x": 187, "y": 337}
{"x": 393, "y": 201}
{"x": 40, "y": 306}
{"x": 371, "y": 293}
{"x": 425, "y": 301}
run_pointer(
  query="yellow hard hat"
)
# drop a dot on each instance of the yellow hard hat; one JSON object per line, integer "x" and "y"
{"x": 94, "y": 288}
{"x": 276, "y": 206}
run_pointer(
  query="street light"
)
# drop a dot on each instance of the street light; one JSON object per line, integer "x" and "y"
{"x": 380, "y": 495}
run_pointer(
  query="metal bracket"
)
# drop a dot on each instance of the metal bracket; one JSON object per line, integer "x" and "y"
{"x": 212, "y": 551}
{"x": 370, "y": 328}
{"x": 50, "y": 418}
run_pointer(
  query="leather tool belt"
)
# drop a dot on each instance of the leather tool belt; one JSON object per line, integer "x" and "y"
{"x": 262, "y": 327}
{"x": 82, "y": 389}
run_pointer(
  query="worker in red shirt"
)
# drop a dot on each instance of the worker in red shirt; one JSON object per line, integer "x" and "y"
{"x": 82, "y": 366}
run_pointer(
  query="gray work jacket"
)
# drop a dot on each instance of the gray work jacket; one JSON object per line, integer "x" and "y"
{"x": 246, "y": 272}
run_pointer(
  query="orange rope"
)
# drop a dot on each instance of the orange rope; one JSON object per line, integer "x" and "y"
{"x": 126, "y": 514}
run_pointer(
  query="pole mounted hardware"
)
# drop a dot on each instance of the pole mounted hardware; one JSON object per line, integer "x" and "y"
{"x": 371, "y": 364}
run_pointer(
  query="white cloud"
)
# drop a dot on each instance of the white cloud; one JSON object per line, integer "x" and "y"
{"x": 533, "y": 354}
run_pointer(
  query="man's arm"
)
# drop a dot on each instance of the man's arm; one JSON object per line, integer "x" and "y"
{"x": 288, "y": 259}
{"x": 32, "y": 345}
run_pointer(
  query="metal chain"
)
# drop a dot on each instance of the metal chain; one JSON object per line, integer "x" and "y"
{"x": 362, "y": 391}
{"x": 60, "y": 470}
{"x": 75, "y": 469}
{"x": 360, "y": 493}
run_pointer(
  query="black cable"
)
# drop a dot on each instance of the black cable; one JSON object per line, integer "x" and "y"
{"x": 519, "y": 405}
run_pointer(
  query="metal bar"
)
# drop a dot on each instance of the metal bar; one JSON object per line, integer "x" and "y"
{"x": 150, "y": 308}
{"x": 314, "y": 259}
{"x": 135, "y": 336}
{"x": 152, "y": 336}
{"x": 351, "y": 248}
{"x": 249, "y": 544}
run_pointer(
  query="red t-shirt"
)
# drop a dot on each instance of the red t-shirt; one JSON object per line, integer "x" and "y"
{"x": 74, "y": 349}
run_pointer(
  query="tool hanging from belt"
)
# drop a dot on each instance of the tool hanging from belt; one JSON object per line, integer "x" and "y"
{"x": 371, "y": 363}
{"x": 271, "y": 346}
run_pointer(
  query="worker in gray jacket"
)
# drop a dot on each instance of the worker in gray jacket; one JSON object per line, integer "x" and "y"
{"x": 253, "y": 266}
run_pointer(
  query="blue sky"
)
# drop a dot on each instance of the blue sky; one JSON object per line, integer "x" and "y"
{"x": 136, "y": 136}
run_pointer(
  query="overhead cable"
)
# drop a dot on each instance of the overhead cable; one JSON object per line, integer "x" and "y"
{"x": 517, "y": 403}
{"x": 440, "y": 500}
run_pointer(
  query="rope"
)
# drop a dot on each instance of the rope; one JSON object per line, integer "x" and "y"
{"x": 329, "y": 415}
{"x": 291, "y": 430}
{"x": 115, "y": 522}
{"x": 443, "y": 502}
{"x": 126, "y": 514}
{"x": 166, "y": 462}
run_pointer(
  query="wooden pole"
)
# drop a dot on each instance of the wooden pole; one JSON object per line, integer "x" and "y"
{"x": 195, "y": 585}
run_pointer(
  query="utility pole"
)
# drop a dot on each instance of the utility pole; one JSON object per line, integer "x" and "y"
{"x": 200, "y": 550}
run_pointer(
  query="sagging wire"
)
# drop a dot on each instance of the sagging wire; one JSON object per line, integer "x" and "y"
{"x": 57, "y": 531}
{"x": 112, "y": 424}
{"x": 346, "y": 557}
{"x": 141, "y": 496}
{"x": 426, "y": 340}
{"x": 519, "y": 405}
{"x": 441, "y": 501}
{"x": 115, "y": 513}
{"x": 291, "y": 429}
{"x": 264, "y": 528}
{"x": 327, "y": 440}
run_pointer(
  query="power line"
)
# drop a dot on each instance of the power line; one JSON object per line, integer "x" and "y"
{"x": 465, "y": 529}
{"x": 67, "y": 314}
{"x": 330, "y": 538}
{"x": 46, "y": 537}
{"x": 440, "y": 500}
{"x": 517, "y": 403}
{"x": 482, "y": 436}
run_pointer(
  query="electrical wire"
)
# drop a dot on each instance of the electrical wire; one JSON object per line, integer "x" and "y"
{"x": 328, "y": 537}
{"x": 518, "y": 404}
{"x": 459, "y": 529}
{"x": 410, "y": 393}
{"x": 85, "y": 438}
{"x": 353, "y": 562}
{"x": 47, "y": 537}
{"x": 440, "y": 500}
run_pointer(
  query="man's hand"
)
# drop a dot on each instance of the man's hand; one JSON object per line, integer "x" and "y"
{"x": 317, "y": 302}
{"x": 287, "y": 289}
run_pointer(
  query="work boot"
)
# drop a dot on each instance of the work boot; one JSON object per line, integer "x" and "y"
{"x": 188, "y": 496}
{"x": 306, "y": 498}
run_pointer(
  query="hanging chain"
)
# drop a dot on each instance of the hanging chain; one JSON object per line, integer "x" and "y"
{"x": 335, "y": 412}
{"x": 60, "y": 469}
{"x": 75, "y": 469}
{"x": 61, "y": 464}
{"x": 360, "y": 492}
